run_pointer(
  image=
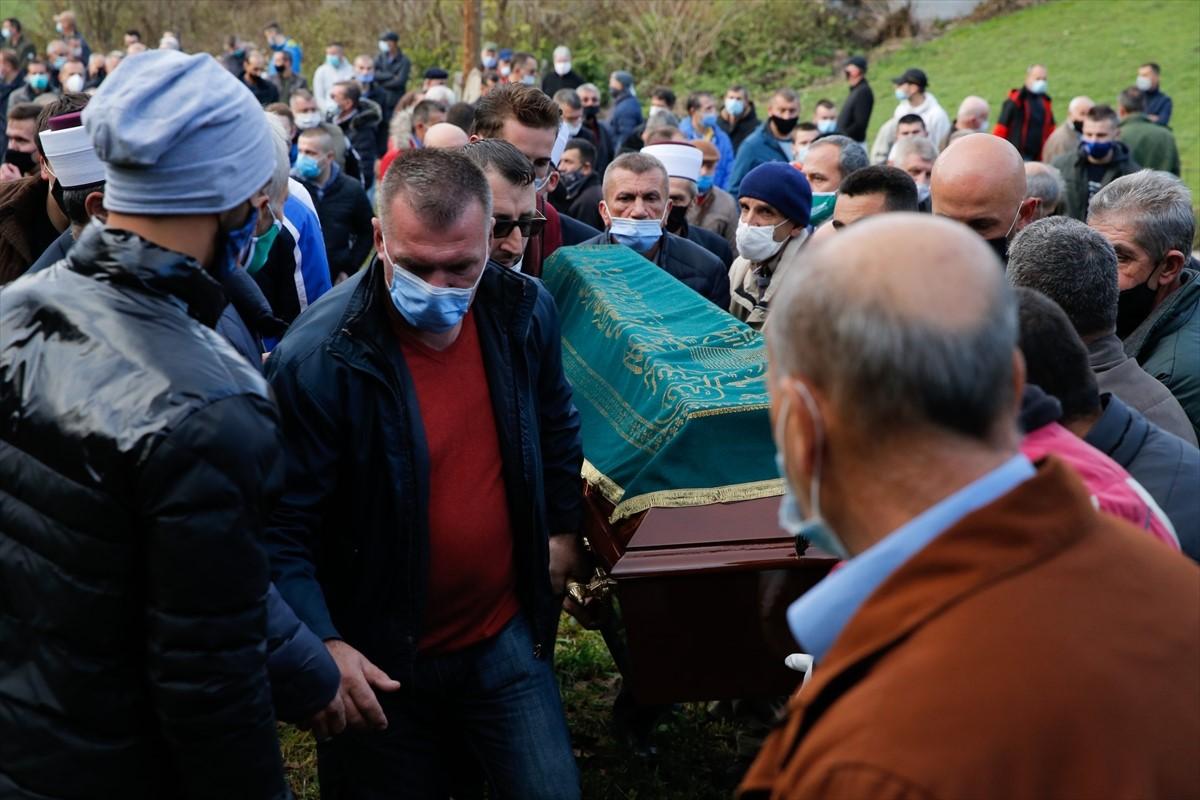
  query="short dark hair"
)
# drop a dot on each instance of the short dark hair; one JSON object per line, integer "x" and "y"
{"x": 285, "y": 54}
{"x": 665, "y": 94}
{"x": 13, "y": 22}
{"x": 11, "y": 58}
{"x": 462, "y": 115}
{"x": 1055, "y": 357}
{"x": 898, "y": 189}
{"x": 528, "y": 105}
{"x": 272, "y": 26}
{"x": 825, "y": 102}
{"x": 353, "y": 93}
{"x": 134, "y": 32}
{"x": 1071, "y": 264}
{"x": 587, "y": 151}
{"x": 502, "y": 158}
{"x": 911, "y": 119}
{"x": 1103, "y": 113}
{"x": 423, "y": 110}
{"x": 693, "y": 101}
{"x": 807, "y": 126}
{"x": 1132, "y": 100}
{"x": 1151, "y": 64}
{"x": 23, "y": 111}
{"x": 522, "y": 58}
{"x": 422, "y": 176}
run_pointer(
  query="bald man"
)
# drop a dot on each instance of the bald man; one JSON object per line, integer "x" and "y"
{"x": 1065, "y": 138}
{"x": 973, "y": 114}
{"x": 980, "y": 182}
{"x": 445, "y": 135}
{"x": 983, "y": 605}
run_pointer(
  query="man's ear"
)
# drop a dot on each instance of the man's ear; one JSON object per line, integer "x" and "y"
{"x": 552, "y": 180}
{"x": 93, "y": 204}
{"x": 604, "y": 215}
{"x": 43, "y": 166}
{"x": 1173, "y": 263}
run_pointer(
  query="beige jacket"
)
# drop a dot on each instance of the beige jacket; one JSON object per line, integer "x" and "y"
{"x": 753, "y": 284}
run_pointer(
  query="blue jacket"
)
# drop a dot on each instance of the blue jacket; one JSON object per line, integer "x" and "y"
{"x": 759, "y": 147}
{"x": 293, "y": 49}
{"x": 1165, "y": 465}
{"x": 1159, "y": 104}
{"x": 625, "y": 118}
{"x": 724, "y": 146}
{"x": 297, "y": 270}
{"x": 349, "y": 542}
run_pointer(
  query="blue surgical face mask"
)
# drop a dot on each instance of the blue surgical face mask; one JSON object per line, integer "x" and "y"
{"x": 639, "y": 235}
{"x": 39, "y": 82}
{"x": 366, "y": 77}
{"x": 813, "y": 528}
{"x": 489, "y": 63}
{"x": 1039, "y": 86}
{"x": 383, "y": 47}
{"x": 704, "y": 184}
{"x": 529, "y": 80}
{"x": 709, "y": 120}
{"x": 238, "y": 249}
{"x": 1097, "y": 150}
{"x": 901, "y": 95}
{"x": 307, "y": 167}
{"x": 333, "y": 61}
{"x": 60, "y": 62}
{"x": 734, "y": 107}
{"x": 436, "y": 309}
{"x": 827, "y": 125}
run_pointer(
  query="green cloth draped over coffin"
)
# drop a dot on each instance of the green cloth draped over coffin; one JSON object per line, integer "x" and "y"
{"x": 671, "y": 390}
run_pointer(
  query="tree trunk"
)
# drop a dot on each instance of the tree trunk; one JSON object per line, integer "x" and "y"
{"x": 472, "y": 42}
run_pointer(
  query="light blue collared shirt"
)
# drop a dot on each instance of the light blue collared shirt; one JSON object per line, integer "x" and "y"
{"x": 818, "y": 617}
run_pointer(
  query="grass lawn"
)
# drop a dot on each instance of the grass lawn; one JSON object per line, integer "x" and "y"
{"x": 698, "y": 756}
{"x": 1089, "y": 47}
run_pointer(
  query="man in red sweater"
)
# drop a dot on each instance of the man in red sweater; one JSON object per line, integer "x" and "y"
{"x": 433, "y": 501}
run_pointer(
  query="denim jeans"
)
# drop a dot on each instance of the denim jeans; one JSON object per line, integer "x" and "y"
{"x": 493, "y": 698}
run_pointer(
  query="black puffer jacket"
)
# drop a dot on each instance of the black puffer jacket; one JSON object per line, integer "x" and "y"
{"x": 138, "y": 455}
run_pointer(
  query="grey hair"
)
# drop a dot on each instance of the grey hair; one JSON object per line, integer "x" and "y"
{"x": 913, "y": 144}
{"x": 423, "y": 176}
{"x": 587, "y": 87}
{"x": 889, "y": 370}
{"x": 1045, "y": 182}
{"x": 851, "y": 155}
{"x": 277, "y": 186}
{"x": 1071, "y": 264}
{"x": 638, "y": 164}
{"x": 568, "y": 97}
{"x": 1158, "y": 206}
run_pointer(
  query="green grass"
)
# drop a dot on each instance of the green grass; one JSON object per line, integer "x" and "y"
{"x": 1089, "y": 47}
{"x": 699, "y": 757}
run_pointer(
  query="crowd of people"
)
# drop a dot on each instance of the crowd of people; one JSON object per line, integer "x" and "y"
{"x": 287, "y": 434}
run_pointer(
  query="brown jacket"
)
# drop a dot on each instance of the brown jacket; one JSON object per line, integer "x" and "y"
{"x": 1037, "y": 649}
{"x": 25, "y": 230}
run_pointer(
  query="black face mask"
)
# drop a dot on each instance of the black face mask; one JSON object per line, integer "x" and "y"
{"x": 1000, "y": 245}
{"x": 676, "y": 219}
{"x": 1134, "y": 305}
{"x": 56, "y": 191}
{"x": 571, "y": 182}
{"x": 1077, "y": 125}
{"x": 784, "y": 126}
{"x": 22, "y": 161}
{"x": 590, "y": 112}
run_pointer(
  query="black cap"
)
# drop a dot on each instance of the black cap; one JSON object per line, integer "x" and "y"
{"x": 912, "y": 75}
{"x": 390, "y": 36}
{"x": 857, "y": 61}
{"x": 436, "y": 74}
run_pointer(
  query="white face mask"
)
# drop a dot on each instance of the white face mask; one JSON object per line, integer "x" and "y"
{"x": 562, "y": 67}
{"x": 1145, "y": 84}
{"x": 74, "y": 83}
{"x": 574, "y": 129}
{"x": 812, "y": 528}
{"x": 308, "y": 119}
{"x": 757, "y": 242}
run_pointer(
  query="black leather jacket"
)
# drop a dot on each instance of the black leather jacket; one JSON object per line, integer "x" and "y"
{"x": 138, "y": 456}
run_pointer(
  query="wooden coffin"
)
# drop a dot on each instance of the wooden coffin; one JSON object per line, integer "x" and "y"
{"x": 703, "y": 593}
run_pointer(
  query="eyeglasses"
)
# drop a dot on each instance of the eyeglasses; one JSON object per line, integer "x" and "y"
{"x": 529, "y": 226}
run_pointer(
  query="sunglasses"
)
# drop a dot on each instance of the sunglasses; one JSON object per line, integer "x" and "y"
{"x": 529, "y": 226}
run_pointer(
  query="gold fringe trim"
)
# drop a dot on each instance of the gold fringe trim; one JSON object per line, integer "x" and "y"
{"x": 676, "y": 498}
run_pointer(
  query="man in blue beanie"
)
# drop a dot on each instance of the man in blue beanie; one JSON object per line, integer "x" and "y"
{"x": 139, "y": 454}
{"x": 775, "y": 204}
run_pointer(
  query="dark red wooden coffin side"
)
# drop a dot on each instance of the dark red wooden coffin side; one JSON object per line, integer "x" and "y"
{"x": 703, "y": 594}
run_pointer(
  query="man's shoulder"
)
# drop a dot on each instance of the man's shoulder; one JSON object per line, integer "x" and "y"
{"x": 688, "y": 252}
